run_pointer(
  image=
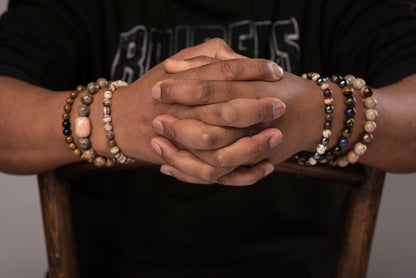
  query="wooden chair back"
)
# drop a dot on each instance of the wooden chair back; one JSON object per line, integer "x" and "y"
{"x": 363, "y": 204}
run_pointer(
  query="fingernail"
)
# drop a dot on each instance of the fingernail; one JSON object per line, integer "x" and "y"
{"x": 158, "y": 126}
{"x": 278, "y": 108}
{"x": 156, "y": 148}
{"x": 275, "y": 70}
{"x": 269, "y": 170}
{"x": 156, "y": 91}
{"x": 165, "y": 171}
{"x": 275, "y": 140}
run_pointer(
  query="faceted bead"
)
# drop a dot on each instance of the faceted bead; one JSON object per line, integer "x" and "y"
{"x": 327, "y": 93}
{"x": 370, "y": 126}
{"x": 324, "y": 141}
{"x": 69, "y": 139}
{"x": 66, "y": 123}
{"x": 327, "y": 125}
{"x": 109, "y": 135}
{"x": 352, "y": 157}
{"x": 67, "y": 132}
{"x": 321, "y": 149}
{"x": 329, "y": 109}
{"x": 360, "y": 148}
{"x": 335, "y": 78}
{"x": 347, "y": 91}
{"x": 77, "y": 152}
{"x": 343, "y": 142}
{"x": 72, "y": 146}
{"x": 309, "y": 75}
{"x": 342, "y": 83}
{"x": 366, "y": 92}
{"x": 350, "y": 78}
{"x": 68, "y": 108}
{"x": 84, "y": 143}
{"x": 73, "y": 94}
{"x": 324, "y": 86}
{"x": 312, "y": 161}
{"x": 326, "y": 133}
{"x": 87, "y": 98}
{"x": 82, "y": 127}
{"x": 108, "y": 94}
{"x": 349, "y": 112}
{"x": 107, "y": 102}
{"x": 83, "y": 110}
{"x": 88, "y": 155}
{"x": 69, "y": 100}
{"x": 102, "y": 82}
{"x": 115, "y": 150}
{"x": 368, "y": 138}
{"x": 349, "y": 122}
{"x": 65, "y": 116}
{"x": 319, "y": 81}
{"x": 111, "y": 143}
{"x": 80, "y": 88}
{"x": 346, "y": 132}
{"x": 99, "y": 161}
{"x": 108, "y": 127}
{"x": 342, "y": 161}
{"x": 370, "y": 102}
{"x": 359, "y": 83}
{"x": 93, "y": 87}
{"x": 107, "y": 119}
{"x": 329, "y": 117}
{"x": 329, "y": 101}
{"x": 371, "y": 114}
{"x": 350, "y": 101}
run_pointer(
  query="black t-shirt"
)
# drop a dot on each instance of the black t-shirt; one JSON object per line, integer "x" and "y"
{"x": 145, "y": 223}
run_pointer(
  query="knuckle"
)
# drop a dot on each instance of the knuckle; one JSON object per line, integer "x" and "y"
{"x": 231, "y": 69}
{"x": 218, "y": 42}
{"x": 208, "y": 140}
{"x": 209, "y": 173}
{"x": 229, "y": 114}
{"x": 206, "y": 91}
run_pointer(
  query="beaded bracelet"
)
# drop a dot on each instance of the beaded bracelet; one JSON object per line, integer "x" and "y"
{"x": 326, "y": 133}
{"x": 66, "y": 124}
{"x": 119, "y": 156}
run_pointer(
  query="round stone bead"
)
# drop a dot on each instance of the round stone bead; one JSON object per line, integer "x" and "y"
{"x": 99, "y": 161}
{"x": 65, "y": 116}
{"x": 68, "y": 108}
{"x": 349, "y": 112}
{"x": 108, "y": 127}
{"x": 304, "y": 76}
{"x": 115, "y": 150}
{"x": 69, "y": 139}
{"x": 367, "y": 138}
{"x": 319, "y": 81}
{"x": 370, "y": 126}
{"x": 110, "y": 162}
{"x": 121, "y": 158}
{"x": 73, "y": 94}
{"x": 371, "y": 114}
{"x": 342, "y": 83}
{"x": 109, "y": 135}
{"x": 324, "y": 86}
{"x": 335, "y": 78}
{"x": 315, "y": 76}
{"x": 106, "y": 110}
{"x": 312, "y": 161}
{"x": 321, "y": 149}
{"x": 82, "y": 127}
{"x": 316, "y": 156}
{"x": 107, "y": 102}
{"x": 108, "y": 94}
{"x": 107, "y": 119}
{"x": 349, "y": 122}
{"x": 84, "y": 143}
{"x": 346, "y": 132}
{"x": 342, "y": 161}
{"x": 359, "y": 83}
{"x": 77, "y": 152}
{"x": 370, "y": 102}
{"x": 72, "y": 146}
{"x": 347, "y": 91}
{"x": 343, "y": 142}
{"x": 112, "y": 87}
{"x": 352, "y": 157}
{"x": 93, "y": 87}
{"x": 80, "y": 88}
{"x": 309, "y": 75}
{"x": 329, "y": 155}
{"x": 327, "y": 125}
{"x": 329, "y": 109}
{"x": 102, "y": 82}
{"x": 66, "y": 123}
{"x": 326, "y": 133}
{"x": 327, "y": 92}
{"x": 337, "y": 150}
{"x": 67, "y": 132}
{"x": 350, "y": 78}
{"x": 302, "y": 161}
{"x": 111, "y": 143}
{"x": 350, "y": 101}
{"x": 83, "y": 110}
{"x": 87, "y": 98}
{"x": 366, "y": 92}
{"x": 329, "y": 101}
{"x": 69, "y": 100}
{"x": 324, "y": 141}
{"x": 360, "y": 148}
{"x": 329, "y": 117}
{"x": 88, "y": 155}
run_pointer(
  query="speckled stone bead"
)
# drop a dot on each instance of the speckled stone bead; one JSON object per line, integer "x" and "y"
{"x": 115, "y": 150}
{"x": 350, "y": 101}
{"x": 109, "y": 135}
{"x": 107, "y": 102}
{"x": 358, "y": 83}
{"x": 324, "y": 86}
{"x": 65, "y": 116}
{"x": 326, "y": 133}
{"x": 99, "y": 161}
{"x": 349, "y": 122}
{"x": 110, "y": 162}
{"x": 84, "y": 143}
{"x": 108, "y": 127}
{"x": 107, "y": 119}
{"x": 72, "y": 146}
{"x": 349, "y": 112}
{"x": 315, "y": 76}
{"x": 82, "y": 127}
{"x": 321, "y": 149}
{"x": 68, "y": 108}
{"x": 106, "y": 110}
{"x": 67, "y": 132}
{"x": 342, "y": 142}
{"x": 66, "y": 124}
{"x": 367, "y": 138}
{"x": 360, "y": 148}
{"x": 69, "y": 100}
{"x": 69, "y": 139}
{"x": 370, "y": 126}
{"x": 342, "y": 161}
{"x": 370, "y": 102}
{"x": 88, "y": 155}
{"x": 108, "y": 94}
{"x": 87, "y": 98}
{"x": 371, "y": 114}
{"x": 93, "y": 88}
{"x": 352, "y": 157}
{"x": 329, "y": 101}
{"x": 347, "y": 91}
{"x": 327, "y": 92}
{"x": 112, "y": 87}
{"x": 83, "y": 110}
{"x": 366, "y": 92}
{"x": 350, "y": 78}
{"x": 80, "y": 88}
{"x": 73, "y": 94}
{"x": 102, "y": 82}
{"x": 335, "y": 78}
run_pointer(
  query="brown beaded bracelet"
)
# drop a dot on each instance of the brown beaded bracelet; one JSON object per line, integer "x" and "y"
{"x": 119, "y": 156}
{"x": 66, "y": 123}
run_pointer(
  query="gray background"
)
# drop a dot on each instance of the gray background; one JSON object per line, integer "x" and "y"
{"x": 22, "y": 244}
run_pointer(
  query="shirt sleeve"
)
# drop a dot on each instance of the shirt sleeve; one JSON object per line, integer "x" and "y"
{"x": 50, "y": 43}
{"x": 374, "y": 39}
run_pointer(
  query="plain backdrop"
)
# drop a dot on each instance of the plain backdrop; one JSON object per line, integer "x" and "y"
{"x": 23, "y": 252}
